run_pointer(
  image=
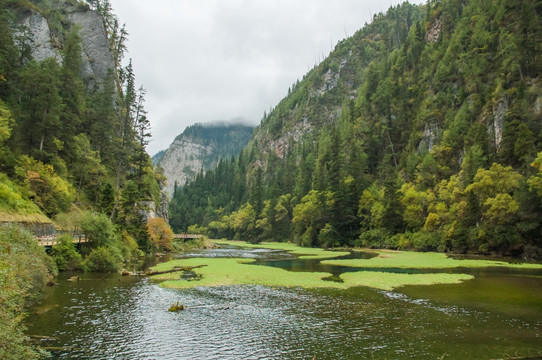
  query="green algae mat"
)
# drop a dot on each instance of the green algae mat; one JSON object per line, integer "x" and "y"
{"x": 220, "y": 272}
{"x": 239, "y": 271}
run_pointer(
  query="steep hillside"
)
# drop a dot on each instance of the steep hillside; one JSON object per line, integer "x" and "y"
{"x": 73, "y": 126}
{"x": 319, "y": 98}
{"x": 399, "y": 138}
{"x": 73, "y": 132}
{"x": 199, "y": 148}
{"x": 157, "y": 157}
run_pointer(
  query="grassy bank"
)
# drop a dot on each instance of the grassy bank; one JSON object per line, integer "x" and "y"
{"x": 423, "y": 260}
{"x": 302, "y": 252}
{"x": 35, "y": 218}
{"x": 192, "y": 244}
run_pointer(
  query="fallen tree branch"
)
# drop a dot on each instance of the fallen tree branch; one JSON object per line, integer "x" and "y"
{"x": 175, "y": 269}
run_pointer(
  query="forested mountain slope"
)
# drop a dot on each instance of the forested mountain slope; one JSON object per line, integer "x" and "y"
{"x": 199, "y": 148}
{"x": 72, "y": 123}
{"x": 73, "y": 132}
{"x": 420, "y": 131}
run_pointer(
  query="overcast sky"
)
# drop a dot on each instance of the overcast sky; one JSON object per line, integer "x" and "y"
{"x": 208, "y": 60}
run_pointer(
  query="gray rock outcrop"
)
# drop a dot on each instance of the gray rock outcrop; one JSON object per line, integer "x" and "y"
{"x": 39, "y": 34}
{"x": 200, "y": 148}
{"x": 97, "y": 57}
{"x": 182, "y": 161}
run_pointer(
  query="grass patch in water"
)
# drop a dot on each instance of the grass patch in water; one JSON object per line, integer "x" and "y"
{"x": 227, "y": 271}
{"x": 423, "y": 260}
{"x": 304, "y": 253}
{"x": 220, "y": 272}
{"x": 390, "y": 281}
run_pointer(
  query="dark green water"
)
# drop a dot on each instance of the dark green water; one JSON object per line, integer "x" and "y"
{"x": 497, "y": 315}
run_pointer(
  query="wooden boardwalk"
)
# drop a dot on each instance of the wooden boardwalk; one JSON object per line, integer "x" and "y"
{"x": 187, "y": 236}
{"x": 51, "y": 240}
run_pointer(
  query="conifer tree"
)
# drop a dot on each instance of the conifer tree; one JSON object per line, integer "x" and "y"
{"x": 72, "y": 89}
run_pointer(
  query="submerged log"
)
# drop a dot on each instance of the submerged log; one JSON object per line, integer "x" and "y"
{"x": 44, "y": 309}
{"x": 41, "y": 338}
{"x": 175, "y": 269}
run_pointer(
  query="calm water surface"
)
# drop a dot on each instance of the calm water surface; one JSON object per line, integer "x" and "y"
{"x": 497, "y": 315}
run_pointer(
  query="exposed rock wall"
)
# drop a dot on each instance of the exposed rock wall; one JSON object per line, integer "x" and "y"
{"x": 183, "y": 161}
{"x": 36, "y": 228}
{"x": 280, "y": 145}
{"x": 39, "y": 34}
{"x": 97, "y": 57}
{"x": 200, "y": 147}
{"x": 433, "y": 32}
{"x": 498, "y": 122}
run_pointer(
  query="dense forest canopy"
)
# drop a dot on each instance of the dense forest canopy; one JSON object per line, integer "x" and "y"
{"x": 422, "y": 131}
{"x": 69, "y": 140}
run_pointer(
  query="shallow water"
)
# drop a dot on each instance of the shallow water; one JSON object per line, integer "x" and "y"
{"x": 496, "y": 315}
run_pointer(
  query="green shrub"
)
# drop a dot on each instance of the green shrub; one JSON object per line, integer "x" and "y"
{"x": 103, "y": 259}
{"x": 65, "y": 254}
{"x": 108, "y": 248}
{"x": 51, "y": 193}
{"x": 531, "y": 252}
{"x": 99, "y": 229}
{"x": 25, "y": 269}
{"x": 129, "y": 248}
{"x": 374, "y": 238}
{"x": 327, "y": 237}
{"x": 70, "y": 221}
{"x": 197, "y": 229}
{"x": 403, "y": 241}
{"x": 425, "y": 241}
{"x": 12, "y": 198}
{"x": 26, "y": 258}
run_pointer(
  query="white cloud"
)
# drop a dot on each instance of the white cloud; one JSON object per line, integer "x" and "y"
{"x": 206, "y": 60}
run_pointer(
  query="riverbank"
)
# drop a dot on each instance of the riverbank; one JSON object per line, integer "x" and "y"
{"x": 241, "y": 271}
{"x": 181, "y": 245}
{"x": 302, "y": 252}
{"x": 423, "y": 260}
{"x": 128, "y": 317}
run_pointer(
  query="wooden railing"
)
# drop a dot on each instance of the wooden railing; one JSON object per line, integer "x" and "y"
{"x": 187, "y": 236}
{"x": 51, "y": 240}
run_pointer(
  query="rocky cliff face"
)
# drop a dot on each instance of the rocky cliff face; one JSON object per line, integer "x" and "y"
{"x": 200, "y": 147}
{"x": 182, "y": 161}
{"x": 45, "y": 40}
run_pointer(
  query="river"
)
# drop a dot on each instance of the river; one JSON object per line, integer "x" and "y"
{"x": 496, "y": 315}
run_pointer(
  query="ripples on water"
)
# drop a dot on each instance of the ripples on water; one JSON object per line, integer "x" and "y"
{"x": 236, "y": 252}
{"x": 123, "y": 318}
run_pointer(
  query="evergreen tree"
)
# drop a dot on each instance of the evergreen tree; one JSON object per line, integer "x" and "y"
{"x": 142, "y": 135}
{"x": 72, "y": 89}
{"x": 40, "y": 127}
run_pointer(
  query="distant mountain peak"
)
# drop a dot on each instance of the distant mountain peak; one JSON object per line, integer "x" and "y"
{"x": 199, "y": 148}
